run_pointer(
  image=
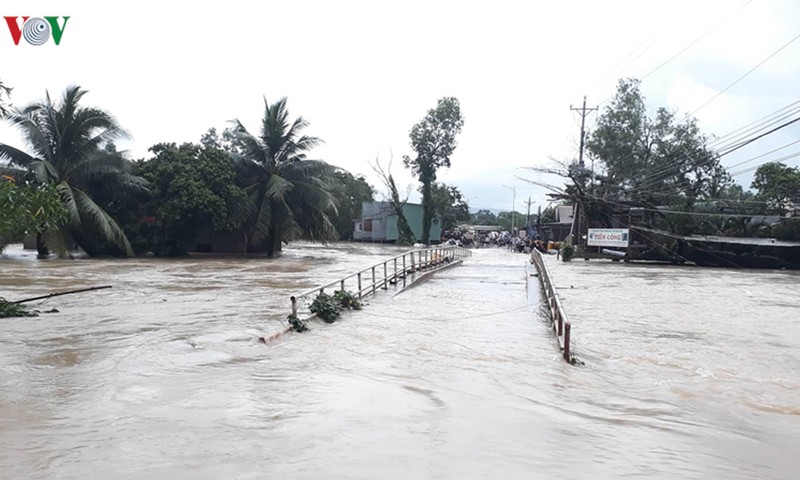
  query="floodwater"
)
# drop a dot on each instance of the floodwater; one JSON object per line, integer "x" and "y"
{"x": 689, "y": 373}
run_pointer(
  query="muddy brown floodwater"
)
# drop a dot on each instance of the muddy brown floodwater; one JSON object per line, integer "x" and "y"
{"x": 690, "y": 373}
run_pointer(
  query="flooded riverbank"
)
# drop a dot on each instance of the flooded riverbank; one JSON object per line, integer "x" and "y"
{"x": 456, "y": 378}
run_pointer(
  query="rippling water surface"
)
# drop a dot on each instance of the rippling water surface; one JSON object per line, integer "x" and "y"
{"x": 689, "y": 373}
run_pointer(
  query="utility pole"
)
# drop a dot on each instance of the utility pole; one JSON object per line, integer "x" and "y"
{"x": 577, "y": 211}
{"x": 528, "y": 219}
{"x": 513, "y": 206}
{"x": 584, "y": 113}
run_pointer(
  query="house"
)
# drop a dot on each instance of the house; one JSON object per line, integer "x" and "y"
{"x": 378, "y": 223}
{"x": 560, "y": 229}
{"x": 564, "y": 213}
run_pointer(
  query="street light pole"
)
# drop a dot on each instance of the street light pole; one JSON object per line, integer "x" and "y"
{"x": 513, "y": 204}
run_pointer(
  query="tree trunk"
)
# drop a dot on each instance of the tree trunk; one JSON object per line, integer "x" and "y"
{"x": 427, "y": 211}
{"x": 41, "y": 247}
{"x": 271, "y": 242}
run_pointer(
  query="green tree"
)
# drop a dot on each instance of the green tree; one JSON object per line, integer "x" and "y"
{"x": 505, "y": 220}
{"x": 349, "y": 191}
{"x": 68, "y": 144}
{"x": 287, "y": 194}
{"x": 434, "y": 140}
{"x": 484, "y": 217}
{"x": 27, "y": 209}
{"x": 228, "y": 141}
{"x": 449, "y": 205}
{"x": 779, "y": 186}
{"x": 547, "y": 216}
{"x": 191, "y": 187}
{"x": 655, "y": 160}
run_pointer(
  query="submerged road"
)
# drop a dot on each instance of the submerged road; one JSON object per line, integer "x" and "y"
{"x": 458, "y": 377}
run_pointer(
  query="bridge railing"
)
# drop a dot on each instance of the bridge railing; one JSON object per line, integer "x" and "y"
{"x": 561, "y": 325}
{"x": 381, "y": 275}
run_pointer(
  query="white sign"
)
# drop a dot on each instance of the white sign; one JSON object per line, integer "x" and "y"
{"x": 608, "y": 237}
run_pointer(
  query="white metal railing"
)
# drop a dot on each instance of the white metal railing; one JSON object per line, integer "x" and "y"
{"x": 393, "y": 269}
{"x": 561, "y": 324}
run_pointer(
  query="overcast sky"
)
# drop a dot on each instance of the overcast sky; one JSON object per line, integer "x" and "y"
{"x": 364, "y": 72}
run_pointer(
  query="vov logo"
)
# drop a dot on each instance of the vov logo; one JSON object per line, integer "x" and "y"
{"x": 36, "y": 30}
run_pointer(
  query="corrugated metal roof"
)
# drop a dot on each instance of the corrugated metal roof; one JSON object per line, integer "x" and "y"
{"x": 756, "y": 242}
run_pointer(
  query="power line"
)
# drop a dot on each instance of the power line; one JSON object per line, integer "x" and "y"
{"x": 676, "y": 55}
{"x": 748, "y": 142}
{"x": 696, "y": 40}
{"x": 762, "y": 62}
{"x": 754, "y": 130}
{"x": 747, "y": 127}
{"x": 756, "y": 167}
{"x": 762, "y": 155}
{"x": 650, "y": 179}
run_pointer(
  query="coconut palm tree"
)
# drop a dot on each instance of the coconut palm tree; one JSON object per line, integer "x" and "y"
{"x": 287, "y": 194}
{"x": 71, "y": 147}
{"x": 4, "y": 90}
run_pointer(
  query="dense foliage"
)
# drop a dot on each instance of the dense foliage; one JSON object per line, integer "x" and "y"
{"x": 27, "y": 210}
{"x": 449, "y": 205}
{"x": 191, "y": 186}
{"x": 71, "y": 148}
{"x": 434, "y": 140}
{"x": 654, "y": 160}
{"x": 779, "y": 186}
{"x": 349, "y": 193}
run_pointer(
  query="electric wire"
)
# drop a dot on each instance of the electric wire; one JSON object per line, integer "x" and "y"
{"x": 696, "y": 40}
{"x": 762, "y": 62}
{"x": 760, "y": 121}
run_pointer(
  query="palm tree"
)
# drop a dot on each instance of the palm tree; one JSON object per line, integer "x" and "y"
{"x": 287, "y": 194}
{"x": 4, "y": 90}
{"x": 72, "y": 148}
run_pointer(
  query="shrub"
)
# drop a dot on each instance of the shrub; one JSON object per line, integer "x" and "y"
{"x": 567, "y": 252}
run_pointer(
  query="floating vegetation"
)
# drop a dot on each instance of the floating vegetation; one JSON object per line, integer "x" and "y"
{"x": 329, "y": 307}
{"x": 297, "y": 324}
{"x": 346, "y": 300}
{"x": 11, "y": 309}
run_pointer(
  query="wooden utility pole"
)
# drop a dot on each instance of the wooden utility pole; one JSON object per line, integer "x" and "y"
{"x": 528, "y": 218}
{"x": 584, "y": 113}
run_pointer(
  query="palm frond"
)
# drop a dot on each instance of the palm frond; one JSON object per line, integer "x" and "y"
{"x": 103, "y": 221}
{"x": 32, "y": 124}
{"x": 263, "y": 220}
{"x": 277, "y": 187}
{"x": 15, "y": 156}
{"x": 253, "y": 149}
{"x": 68, "y": 199}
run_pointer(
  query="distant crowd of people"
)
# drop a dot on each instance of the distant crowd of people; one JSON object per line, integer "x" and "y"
{"x": 463, "y": 238}
{"x": 525, "y": 245}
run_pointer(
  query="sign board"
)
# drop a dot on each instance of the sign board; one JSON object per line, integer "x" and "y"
{"x": 608, "y": 237}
